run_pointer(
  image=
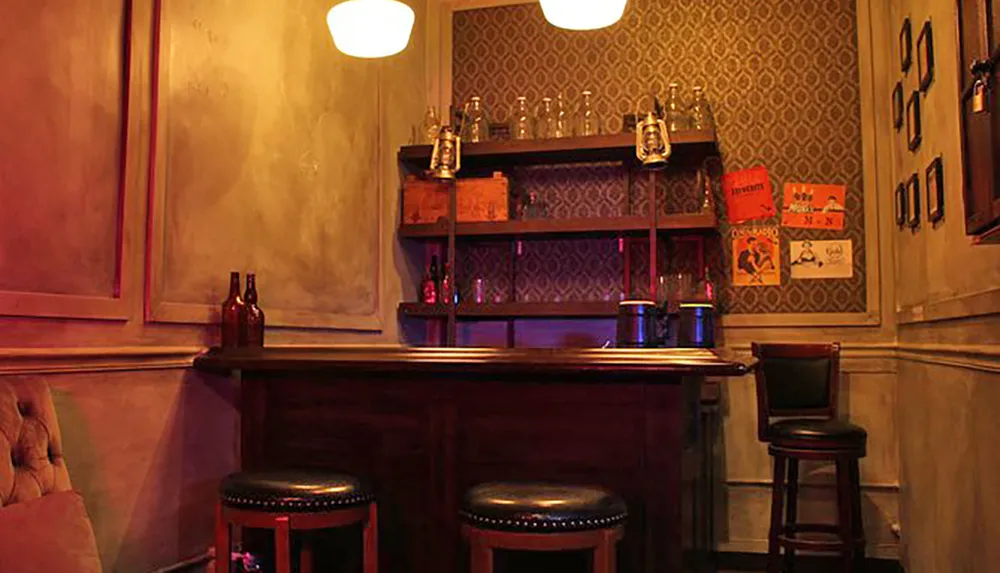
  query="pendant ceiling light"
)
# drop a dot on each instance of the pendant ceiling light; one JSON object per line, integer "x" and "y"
{"x": 370, "y": 28}
{"x": 583, "y": 14}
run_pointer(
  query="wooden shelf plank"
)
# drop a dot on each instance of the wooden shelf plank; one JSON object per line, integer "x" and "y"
{"x": 694, "y": 222}
{"x": 609, "y": 147}
{"x": 586, "y": 309}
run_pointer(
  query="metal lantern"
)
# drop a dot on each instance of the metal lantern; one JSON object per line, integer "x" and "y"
{"x": 446, "y": 160}
{"x": 652, "y": 142}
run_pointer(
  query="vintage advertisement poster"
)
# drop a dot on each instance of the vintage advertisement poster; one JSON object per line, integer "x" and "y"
{"x": 748, "y": 195}
{"x": 756, "y": 257}
{"x": 822, "y": 259}
{"x": 810, "y": 206}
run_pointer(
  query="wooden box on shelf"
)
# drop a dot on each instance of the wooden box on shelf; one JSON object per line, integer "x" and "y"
{"x": 477, "y": 199}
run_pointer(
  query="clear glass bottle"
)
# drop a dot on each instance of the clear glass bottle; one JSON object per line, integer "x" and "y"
{"x": 700, "y": 111}
{"x": 475, "y": 121}
{"x": 430, "y": 127}
{"x": 587, "y": 122}
{"x": 563, "y": 127}
{"x": 545, "y": 119}
{"x": 521, "y": 122}
{"x": 673, "y": 113}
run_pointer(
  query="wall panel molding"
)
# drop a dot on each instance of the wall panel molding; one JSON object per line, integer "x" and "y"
{"x": 80, "y": 360}
{"x": 301, "y": 242}
{"x": 983, "y": 303}
{"x": 114, "y": 304}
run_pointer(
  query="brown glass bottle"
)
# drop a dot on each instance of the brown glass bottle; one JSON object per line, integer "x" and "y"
{"x": 232, "y": 313}
{"x": 253, "y": 323}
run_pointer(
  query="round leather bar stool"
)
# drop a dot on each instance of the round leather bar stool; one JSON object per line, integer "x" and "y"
{"x": 542, "y": 517}
{"x": 288, "y": 501}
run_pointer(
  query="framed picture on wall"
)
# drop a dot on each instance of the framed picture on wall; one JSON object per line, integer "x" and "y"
{"x": 935, "y": 191}
{"x": 913, "y": 202}
{"x": 913, "y": 135}
{"x": 925, "y": 56}
{"x": 900, "y": 202}
{"x": 905, "y": 46}
{"x": 897, "y": 106}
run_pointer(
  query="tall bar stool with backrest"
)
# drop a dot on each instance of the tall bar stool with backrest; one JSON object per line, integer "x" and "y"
{"x": 289, "y": 501}
{"x": 542, "y": 517}
{"x": 799, "y": 383}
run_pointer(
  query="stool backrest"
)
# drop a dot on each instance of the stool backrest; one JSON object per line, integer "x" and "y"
{"x": 795, "y": 380}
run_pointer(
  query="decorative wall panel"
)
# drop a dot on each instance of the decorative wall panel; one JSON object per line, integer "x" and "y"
{"x": 63, "y": 106}
{"x": 268, "y": 159}
{"x": 782, "y": 77}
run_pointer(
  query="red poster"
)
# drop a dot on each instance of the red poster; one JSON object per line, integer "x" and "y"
{"x": 809, "y": 206}
{"x": 748, "y": 195}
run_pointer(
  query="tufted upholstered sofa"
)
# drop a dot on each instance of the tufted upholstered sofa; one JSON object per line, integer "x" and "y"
{"x": 44, "y": 526}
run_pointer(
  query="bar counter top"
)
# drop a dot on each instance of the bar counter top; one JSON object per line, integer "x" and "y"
{"x": 614, "y": 362}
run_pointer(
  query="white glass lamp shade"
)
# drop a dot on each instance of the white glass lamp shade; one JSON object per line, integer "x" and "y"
{"x": 583, "y": 14}
{"x": 370, "y": 28}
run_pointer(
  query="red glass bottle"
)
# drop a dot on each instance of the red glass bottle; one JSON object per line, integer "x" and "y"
{"x": 232, "y": 313}
{"x": 253, "y": 323}
{"x": 428, "y": 287}
{"x": 447, "y": 294}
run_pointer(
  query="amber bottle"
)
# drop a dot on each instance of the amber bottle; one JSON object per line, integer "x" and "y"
{"x": 232, "y": 313}
{"x": 253, "y": 323}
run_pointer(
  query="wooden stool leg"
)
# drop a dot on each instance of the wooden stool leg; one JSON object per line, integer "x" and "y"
{"x": 222, "y": 541}
{"x": 791, "y": 510}
{"x": 306, "y": 553}
{"x": 846, "y": 520}
{"x": 859, "y": 525}
{"x": 480, "y": 554}
{"x": 777, "y": 499}
{"x": 370, "y": 541}
{"x": 282, "y": 552}
{"x": 604, "y": 555}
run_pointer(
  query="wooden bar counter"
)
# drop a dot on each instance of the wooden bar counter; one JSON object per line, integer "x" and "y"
{"x": 424, "y": 424}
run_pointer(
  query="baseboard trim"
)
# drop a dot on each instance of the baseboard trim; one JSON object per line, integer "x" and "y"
{"x": 189, "y": 564}
{"x": 742, "y": 561}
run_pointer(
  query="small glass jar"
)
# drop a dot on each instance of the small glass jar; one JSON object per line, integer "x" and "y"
{"x": 521, "y": 122}
{"x": 700, "y": 111}
{"x": 673, "y": 113}
{"x": 545, "y": 120}
{"x": 430, "y": 127}
{"x": 475, "y": 121}
{"x": 587, "y": 122}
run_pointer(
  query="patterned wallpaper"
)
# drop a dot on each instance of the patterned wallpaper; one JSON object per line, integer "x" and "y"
{"x": 782, "y": 76}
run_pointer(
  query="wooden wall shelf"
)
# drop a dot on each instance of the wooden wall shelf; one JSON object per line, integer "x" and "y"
{"x": 631, "y": 225}
{"x": 508, "y": 310}
{"x": 611, "y": 147}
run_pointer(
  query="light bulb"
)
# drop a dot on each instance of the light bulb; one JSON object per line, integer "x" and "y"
{"x": 583, "y": 14}
{"x": 370, "y": 28}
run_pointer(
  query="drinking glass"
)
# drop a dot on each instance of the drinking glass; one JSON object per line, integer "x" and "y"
{"x": 674, "y": 115}
{"x": 587, "y": 121}
{"x": 700, "y": 112}
{"x": 545, "y": 120}
{"x": 430, "y": 127}
{"x": 563, "y": 127}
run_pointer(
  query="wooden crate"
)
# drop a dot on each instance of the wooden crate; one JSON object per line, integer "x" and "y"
{"x": 478, "y": 199}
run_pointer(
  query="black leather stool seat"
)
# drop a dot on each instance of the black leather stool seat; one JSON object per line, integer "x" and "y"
{"x": 293, "y": 491}
{"x": 540, "y": 508}
{"x": 819, "y": 430}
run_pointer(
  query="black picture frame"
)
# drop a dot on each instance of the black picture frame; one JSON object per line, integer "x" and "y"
{"x": 925, "y": 56}
{"x": 935, "y": 190}
{"x": 900, "y": 203}
{"x": 897, "y": 106}
{"x": 913, "y": 202}
{"x": 913, "y": 130}
{"x": 905, "y": 46}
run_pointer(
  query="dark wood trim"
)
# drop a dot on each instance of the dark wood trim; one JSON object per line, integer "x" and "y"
{"x": 633, "y": 225}
{"x": 728, "y": 561}
{"x": 609, "y": 147}
{"x": 666, "y": 363}
{"x": 505, "y": 310}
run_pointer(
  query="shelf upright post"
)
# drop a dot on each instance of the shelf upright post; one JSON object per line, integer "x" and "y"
{"x": 652, "y": 234}
{"x": 452, "y": 219}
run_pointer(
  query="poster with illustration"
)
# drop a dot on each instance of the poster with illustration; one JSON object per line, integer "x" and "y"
{"x": 748, "y": 195}
{"x": 822, "y": 259}
{"x": 756, "y": 257}
{"x": 810, "y": 206}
